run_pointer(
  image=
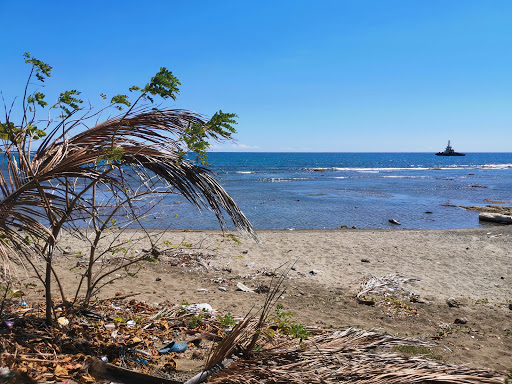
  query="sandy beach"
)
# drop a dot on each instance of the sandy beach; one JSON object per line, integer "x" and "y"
{"x": 470, "y": 268}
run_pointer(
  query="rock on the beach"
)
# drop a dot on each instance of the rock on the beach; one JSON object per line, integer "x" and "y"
{"x": 461, "y": 320}
{"x": 453, "y": 303}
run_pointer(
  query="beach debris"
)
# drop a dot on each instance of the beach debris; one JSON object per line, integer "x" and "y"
{"x": 173, "y": 347}
{"x": 203, "y": 290}
{"x": 429, "y": 212}
{"x": 63, "y": 321}
{"x": 262, "y": 288}
{"x": 223, "y": 289}
{"x": 461, "y": 320}
{"x": 495, "y": 218}
{"x": 365, "y": 260}
{"x": 198, "y": 308}
{"x": 130, "y": 323}
{"x": 394, "y": 221}
{"x": 60, "y": 355}
{"x": 314, "y": 272}
{"x": 510, "y": 306}
{"x": 350, "y": 357}
{"x": 386, "y": 285}
{"x": 452, "y": 302}
{"x": 250, "y": 265}
{"x": 243, "y": 288}
{"x": 106, "y": 371}
{"x": 4, "y": 372}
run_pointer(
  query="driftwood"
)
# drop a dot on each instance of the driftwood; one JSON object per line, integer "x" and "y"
{"x": 204, "y": 375}
{"x": 106, "y": 371}
{"x": 495, "y": 218}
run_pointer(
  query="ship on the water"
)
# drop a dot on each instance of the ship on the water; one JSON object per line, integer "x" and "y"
{"x": 449, "y": 151}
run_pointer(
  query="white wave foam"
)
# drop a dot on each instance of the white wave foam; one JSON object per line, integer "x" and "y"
{"x": 245, "y": 172}
{"x": 394, "y": 169}
{"x": 497, "y": 166}
{"x": 274, "y": 180}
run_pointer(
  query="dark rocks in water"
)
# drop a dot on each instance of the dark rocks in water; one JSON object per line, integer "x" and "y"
{"x": 429, "y": 212}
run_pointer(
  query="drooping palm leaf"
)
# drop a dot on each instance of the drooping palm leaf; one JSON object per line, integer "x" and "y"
{"x": 152, "y": 141}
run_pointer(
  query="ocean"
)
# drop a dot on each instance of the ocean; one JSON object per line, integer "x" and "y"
{"x": 365, "y": 190}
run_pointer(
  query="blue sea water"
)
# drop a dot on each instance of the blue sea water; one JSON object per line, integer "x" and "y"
{"x": 329, "y": 190}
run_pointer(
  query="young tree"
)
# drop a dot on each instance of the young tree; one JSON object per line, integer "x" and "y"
{"x": 44, "y": 188}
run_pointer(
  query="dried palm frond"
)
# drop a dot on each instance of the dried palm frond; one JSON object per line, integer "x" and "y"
{"x": 33, "y": 187}
{"x": 348, "y": 357}
{"x": 386, "y": 285}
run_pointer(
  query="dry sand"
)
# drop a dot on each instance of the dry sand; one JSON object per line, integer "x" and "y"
{"x": 473, "y": 266}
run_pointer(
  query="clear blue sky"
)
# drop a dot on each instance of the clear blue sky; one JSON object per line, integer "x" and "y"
{"x": 342, "y": 76}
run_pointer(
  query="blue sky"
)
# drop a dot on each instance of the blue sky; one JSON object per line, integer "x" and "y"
{"x": 340, "y": 76}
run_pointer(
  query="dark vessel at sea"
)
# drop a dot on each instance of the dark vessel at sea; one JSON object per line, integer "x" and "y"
{"x": 449, "y": 151}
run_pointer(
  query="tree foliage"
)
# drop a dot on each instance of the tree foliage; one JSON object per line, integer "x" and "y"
{"x": 51, "y": 166}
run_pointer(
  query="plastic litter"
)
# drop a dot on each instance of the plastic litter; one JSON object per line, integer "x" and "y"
{"x": 141, "y": 361}
{"x": 130, "y": 323}
{"x": 173, "y": 347}
{"x": 243, "y": 288}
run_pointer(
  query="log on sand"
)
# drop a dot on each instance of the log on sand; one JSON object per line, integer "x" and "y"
{"x": 495, "y": 218}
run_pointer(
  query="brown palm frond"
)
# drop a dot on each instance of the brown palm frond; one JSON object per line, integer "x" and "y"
{"x": 349, "y": 357}
{"x": 149, "y": 141}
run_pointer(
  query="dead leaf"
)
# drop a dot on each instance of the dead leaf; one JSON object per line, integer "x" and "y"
{"x": 61, "y": 371}
{"x": 136, "y": 340}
